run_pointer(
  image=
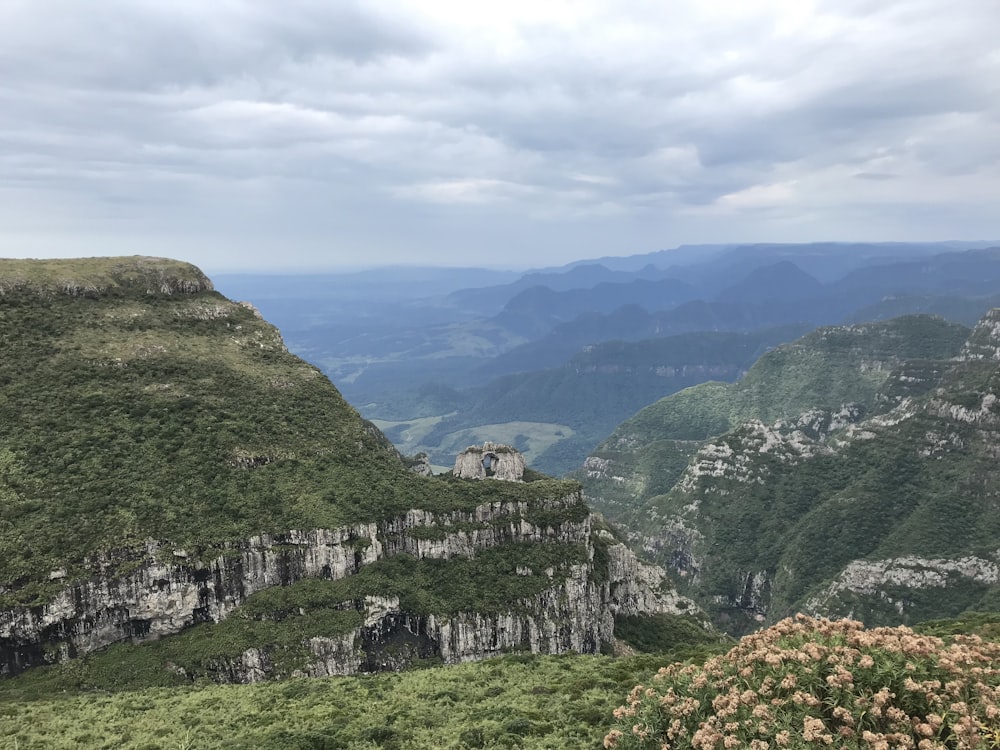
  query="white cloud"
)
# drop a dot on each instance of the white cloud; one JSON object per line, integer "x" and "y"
{"x": 640, "y": 121}
{"x": 465, "y": 191}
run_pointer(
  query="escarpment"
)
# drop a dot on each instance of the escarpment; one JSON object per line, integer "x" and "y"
{"x": 101, "y": 277}
{"x": 170, "y": 589}
{"x": 171, "y": 476}
{"x": 878, "y": 502}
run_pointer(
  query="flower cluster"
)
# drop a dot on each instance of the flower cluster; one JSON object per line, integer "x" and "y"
{"x": 807, "y": 683}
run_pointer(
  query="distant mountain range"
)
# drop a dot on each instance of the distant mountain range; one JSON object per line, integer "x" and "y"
{"x": 384, "y": 353}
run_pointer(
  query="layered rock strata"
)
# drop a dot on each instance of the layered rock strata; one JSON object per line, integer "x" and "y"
{"x": 169, "y": 589}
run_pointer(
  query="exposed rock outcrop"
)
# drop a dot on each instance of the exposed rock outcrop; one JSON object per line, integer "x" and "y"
{"x": 896, "y": 580}
{"x": 419, "y": 464}
{"x": 170, "y": 589}
{"x": 491, "y": 461}
{"x": 984, "y": 341}
{"x": 576, "y": 615}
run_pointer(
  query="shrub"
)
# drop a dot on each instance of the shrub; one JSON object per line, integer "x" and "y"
{"x": 811, "y": 683}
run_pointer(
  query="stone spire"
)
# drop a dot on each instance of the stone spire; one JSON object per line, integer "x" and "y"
{"x": 491, "y": 461}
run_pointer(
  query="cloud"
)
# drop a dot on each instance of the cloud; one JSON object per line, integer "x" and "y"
{"x": 144, "y": 45}
{"x": 632, "y": 123}
{"x": 466, "y": 191}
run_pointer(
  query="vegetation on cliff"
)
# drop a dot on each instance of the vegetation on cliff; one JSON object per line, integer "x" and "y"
{"x": 518, "y": 701}
{"x": 147, "y": 422}
{"x": 278, "y": 622}
{"x": 881, "y": 508}
{"x": 97, "y": 277}
{"x": 627, "y": 474}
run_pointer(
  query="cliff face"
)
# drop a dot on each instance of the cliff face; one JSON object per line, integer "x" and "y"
{"x": 492, "y": 461}
{"x": 827, "y": 370}
{"x": 895, "y": 583}
{"x": 171, "y": 476}
{"x": 886, "y": 516}
{"x": 169, "y": 590}
{"x": 575, "y": 615}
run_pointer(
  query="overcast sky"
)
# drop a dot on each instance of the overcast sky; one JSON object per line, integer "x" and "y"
{"x": 289, "y": 135}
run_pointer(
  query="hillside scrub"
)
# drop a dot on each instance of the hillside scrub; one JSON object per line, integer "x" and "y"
{"x": 518, "y": 701}
{"x": 140, "y": 404}
{"x": 895, "y": 470}
{"x": 808, "y": 682}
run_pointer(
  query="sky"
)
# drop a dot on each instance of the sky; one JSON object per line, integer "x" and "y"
{"x": 326, "y": 134}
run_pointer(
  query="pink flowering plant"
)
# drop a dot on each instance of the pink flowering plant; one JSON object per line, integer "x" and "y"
{"x": 807, "y": 683}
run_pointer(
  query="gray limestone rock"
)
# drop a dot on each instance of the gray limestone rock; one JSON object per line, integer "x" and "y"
{"x": 169, "y": 589}
{"x": 491, "y": 461}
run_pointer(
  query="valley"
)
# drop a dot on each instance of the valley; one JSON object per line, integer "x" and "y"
{"x": 721, "y": 366}
{"x": 589, "y": 344}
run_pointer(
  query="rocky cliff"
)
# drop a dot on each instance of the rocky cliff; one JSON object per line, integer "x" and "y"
{"x": 881, "y": 509}
{"x": 491, "y": 461}
{"x": 170, "y": 589}
{"x": 868, "y": 366}
{"x": 171, "y": 476}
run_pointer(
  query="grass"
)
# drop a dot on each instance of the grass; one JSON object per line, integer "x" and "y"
{"x": 132, "y": 413}
{"x": 518, "y": 701}
{"x": 91, "y": 276}
{"x": 515, "y": 702}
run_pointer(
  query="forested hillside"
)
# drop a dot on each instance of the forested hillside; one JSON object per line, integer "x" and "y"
{"x": 171, "y": 476}
{"x": 849, "y": 473}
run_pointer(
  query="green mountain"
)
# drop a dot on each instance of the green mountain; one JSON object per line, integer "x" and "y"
{"x": 826, "y": 369}
{"x": 848, "y": 473}
{"x": 170, "y": 473}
